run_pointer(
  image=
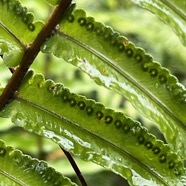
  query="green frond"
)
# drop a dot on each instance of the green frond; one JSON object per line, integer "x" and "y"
{"x": 19, "y": 169}
{"x": 93, "y": 132}
{"x": 172, "y": 12}
{"x": 17, "y": 30}
{"x": 115, "y": 62}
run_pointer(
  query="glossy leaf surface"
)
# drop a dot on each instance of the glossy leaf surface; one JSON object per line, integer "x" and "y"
{"x": 94, "y": 132}
{"x": 17, "y": 30}
{"x": 10, "y": 49}
{"x": 172, "y": 12}
{"x": 21, "y": 170}
{"x": 113, "y": 61}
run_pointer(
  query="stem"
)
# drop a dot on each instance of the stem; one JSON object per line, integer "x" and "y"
{"x": 32, "y": 51}
{"x": 75, "y": 167}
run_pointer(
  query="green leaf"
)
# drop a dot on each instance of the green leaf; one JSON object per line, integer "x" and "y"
{"x": 17, "y": 30}
{"x": 115, "y": 62}
{"x": 172, "y": 12}
{"x": 18, "y": 21}
{"x": 52, "y": 2}
{"x": 10, "y": 49}
{"x": 19, "y": 169}
{"x": 94, "y": 132}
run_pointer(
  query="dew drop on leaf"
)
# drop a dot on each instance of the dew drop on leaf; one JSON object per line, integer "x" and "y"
{"x": 19, "y": 119}
{"x": 44, "y": 48}
{"x": 40, "y": 166}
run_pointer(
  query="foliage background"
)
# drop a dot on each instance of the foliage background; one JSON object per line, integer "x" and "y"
{"x": 141, "y": 27}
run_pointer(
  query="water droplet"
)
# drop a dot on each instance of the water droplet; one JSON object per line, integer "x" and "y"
{"x": 38, "y": 118}
{"x": 19, "y": 119}
{"x": 44, "y": 48}
{"x": 41, "y": 166}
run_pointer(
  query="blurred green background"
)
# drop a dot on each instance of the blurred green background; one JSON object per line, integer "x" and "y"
{"x": 138, "y": 25}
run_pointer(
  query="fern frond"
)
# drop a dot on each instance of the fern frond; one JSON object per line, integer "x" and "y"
{"x": 93, "y": 132}
{"x": 115, "y": 62}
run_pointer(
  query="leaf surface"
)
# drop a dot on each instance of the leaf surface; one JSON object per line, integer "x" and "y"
{"x": 10, "y": 49}
{"x": 113, "y": 61}
{"x": 93, "y": 132}
{"x": 172, "y": 12}
{"x": 22, "y": 170}
{"x": 17, "y": 30}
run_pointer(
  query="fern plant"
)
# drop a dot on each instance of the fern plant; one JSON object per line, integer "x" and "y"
{"x": 82, "y": 126}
